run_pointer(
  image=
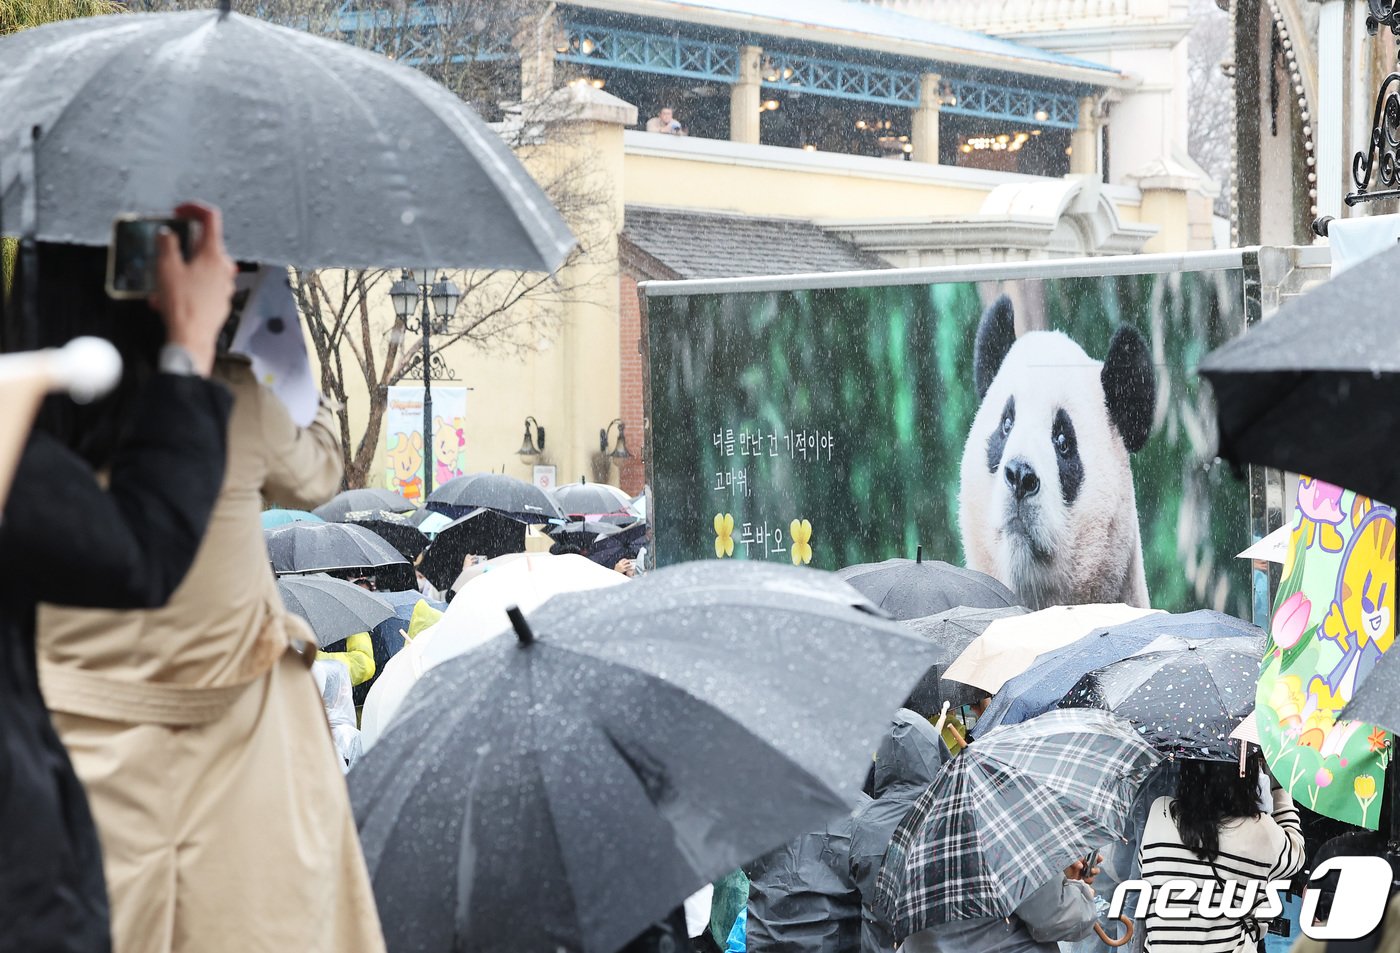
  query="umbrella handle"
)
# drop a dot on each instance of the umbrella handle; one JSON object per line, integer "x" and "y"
{"x": 1122, "y": 940}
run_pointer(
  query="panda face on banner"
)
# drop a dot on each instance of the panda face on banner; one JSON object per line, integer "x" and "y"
{"x": 1046, "y": 501}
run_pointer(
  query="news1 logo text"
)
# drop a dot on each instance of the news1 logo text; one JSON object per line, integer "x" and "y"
{"x": 1358, "y": 903}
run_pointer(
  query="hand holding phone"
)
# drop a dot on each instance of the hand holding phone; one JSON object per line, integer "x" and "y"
{"x": 194, "y": 294}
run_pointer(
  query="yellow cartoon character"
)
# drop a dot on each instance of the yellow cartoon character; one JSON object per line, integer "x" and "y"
{"x": 1361, "y": 620}
{"x": 449, "y": 448}
{"x": 406, "y": 461}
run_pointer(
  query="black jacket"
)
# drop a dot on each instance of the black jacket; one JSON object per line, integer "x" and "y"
{"x": 64, "y": 540}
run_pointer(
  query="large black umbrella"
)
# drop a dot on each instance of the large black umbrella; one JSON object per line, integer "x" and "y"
{"x": 624, "y": 544}
{"x": 1040, "y": 687}
{"x": 301, "y": 548}
{"x": 320, "y": 154}
{"x": 1184, "y": 697}
{"x": 357, "y": 501}
{"x": 493, "y": 491}
{"x": 1377, "y": 699}
{"x": 335, "y": 609}
{"x": 394, "y": 528}
{"x": 480, "y": 533}
{"x": 1316, "y": 387}
{"x": 951, "y": 632}
{"x": 567, "y": 787}
{"x": 913, "y": 588}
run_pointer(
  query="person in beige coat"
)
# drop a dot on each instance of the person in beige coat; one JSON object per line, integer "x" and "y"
{"x": 200, "y": 735}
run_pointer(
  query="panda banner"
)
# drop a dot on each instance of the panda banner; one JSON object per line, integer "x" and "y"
{"x": 1038, "y": 423}
{"x": 405, "y": 448}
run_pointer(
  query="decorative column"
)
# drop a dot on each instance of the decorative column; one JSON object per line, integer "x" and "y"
{"x": 1084, "y": 143}
{"x": 746, "y": 97}
{"x": 536, "y": 41}
{"x": 924, "y": 134}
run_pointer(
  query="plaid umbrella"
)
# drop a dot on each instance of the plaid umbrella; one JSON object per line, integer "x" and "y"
{"x": 1014, "y": 809}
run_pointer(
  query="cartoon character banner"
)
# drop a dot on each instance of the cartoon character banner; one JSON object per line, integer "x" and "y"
{"x": 1049, "y": 431}
{"x": 403, "y": 438}
{"x": 1334, "y": 618}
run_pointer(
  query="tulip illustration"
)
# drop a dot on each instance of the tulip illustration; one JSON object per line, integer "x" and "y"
{"x": 1364, "y": 787}
{"x": 1291, "y": 620}
{"x": 724, "y": 535}
{"x": 1323, "y": 777}
{"x": 801, "y": 533}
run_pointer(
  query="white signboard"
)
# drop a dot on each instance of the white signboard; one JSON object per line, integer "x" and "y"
{"x": 546, "y": 477}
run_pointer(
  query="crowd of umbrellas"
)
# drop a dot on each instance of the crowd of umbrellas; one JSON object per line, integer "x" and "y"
{"x": 567, "y": 754}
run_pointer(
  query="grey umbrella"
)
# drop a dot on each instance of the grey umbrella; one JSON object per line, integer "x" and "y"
{"x": 951, "y": 632}
{"x": 335, "y": 609}
{"x": 346, "y": 502}
{"x": 912, "y": 588}
{"x": 493, "y": 491}
{"x": 300, "y": 548}
{"x": 566, "y": 786}
{"x": 320, "y": 154}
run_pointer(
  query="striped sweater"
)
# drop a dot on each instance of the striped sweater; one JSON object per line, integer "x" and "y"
{"x": 1269, "y": 847}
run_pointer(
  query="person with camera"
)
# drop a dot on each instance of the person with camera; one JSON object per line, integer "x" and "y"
{"x": 198, "y": 728}
{"x": 66, "y": 538}
{"x": 665, "y": 122}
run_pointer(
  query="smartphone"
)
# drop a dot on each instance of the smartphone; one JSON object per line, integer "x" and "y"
{"x": 131, "y": 255}
{"x": 1090, "y": 859}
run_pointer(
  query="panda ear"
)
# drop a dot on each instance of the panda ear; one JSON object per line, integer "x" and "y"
{"x": 1129, "y": 387}
{"x": 995, "y": 335}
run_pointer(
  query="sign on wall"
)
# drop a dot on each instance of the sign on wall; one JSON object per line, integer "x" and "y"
{"x": 404, "y": 444}
{"x": 1048, "y": 431}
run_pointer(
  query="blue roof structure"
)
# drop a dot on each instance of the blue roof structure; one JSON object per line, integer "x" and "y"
{"x": 853, "y": 17}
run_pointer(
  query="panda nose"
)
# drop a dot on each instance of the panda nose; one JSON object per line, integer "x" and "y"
{"x": 1021, "y": 478}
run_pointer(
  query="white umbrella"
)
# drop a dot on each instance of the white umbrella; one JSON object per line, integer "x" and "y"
{"x": 1272, "y": 548}
{"x": 476, "y": 614}
{"x": 1009, "y": 646}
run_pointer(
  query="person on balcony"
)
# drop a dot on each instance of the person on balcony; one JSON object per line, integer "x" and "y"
{"x": 665, "y": 122}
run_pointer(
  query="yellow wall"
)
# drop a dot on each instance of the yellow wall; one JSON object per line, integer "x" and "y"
{"x": 787, "y": 192}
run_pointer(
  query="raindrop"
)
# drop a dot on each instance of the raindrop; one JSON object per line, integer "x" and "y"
{"x": 407, "y": 217}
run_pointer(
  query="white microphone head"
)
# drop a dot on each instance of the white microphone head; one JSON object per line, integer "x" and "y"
{"x": 87, "y": 368}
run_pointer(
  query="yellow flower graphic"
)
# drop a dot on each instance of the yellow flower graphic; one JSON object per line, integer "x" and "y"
{"x": 1364, "y": 787}
{"x": 724, "y": 535}
{"x": 801, "y": 534}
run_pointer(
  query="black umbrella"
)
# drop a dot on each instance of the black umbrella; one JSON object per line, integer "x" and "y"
{"x": 394, "y": 528}
{"x": 951, "y": 632}
{"x": 569, "y": 786}
{"x": 591, "y": 498}
{"x": 417, "y": 177}
{"x": 1184, "y": 698}
{"x": 481, "y": 532}
{"x": 581, "y": 533}
{"x": 1377, "y": 699}
{"x": 493, "y": 491}
{"x": 913, "y": 588}
{"x": 335, "y": 609}
{"x": 624, "y": 544}
{"x": 357, "y": 501}
{"x": 1297, "y": 393}
{"x": 301, "y": 548}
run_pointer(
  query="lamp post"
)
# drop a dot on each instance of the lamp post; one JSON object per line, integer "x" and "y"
{"x": 413, "y": 288}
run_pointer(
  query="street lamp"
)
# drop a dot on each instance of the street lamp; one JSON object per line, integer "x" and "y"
{"x": 527, "y": 445}
{"x": 620, "y": 450}
{"x": 412, "y": 289}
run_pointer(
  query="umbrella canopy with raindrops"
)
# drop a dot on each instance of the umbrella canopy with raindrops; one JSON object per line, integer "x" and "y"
{"x": 1184, "y": 696}
{"x": 913, "y": 588}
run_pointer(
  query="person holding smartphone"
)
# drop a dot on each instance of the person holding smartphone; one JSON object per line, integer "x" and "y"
{"x": 198, "y": 727}
{"x": 66, "y": 538}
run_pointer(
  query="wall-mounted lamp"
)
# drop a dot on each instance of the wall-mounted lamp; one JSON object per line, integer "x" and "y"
{"x": 619, "y": 451}
{"x": 527, "y": 445}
